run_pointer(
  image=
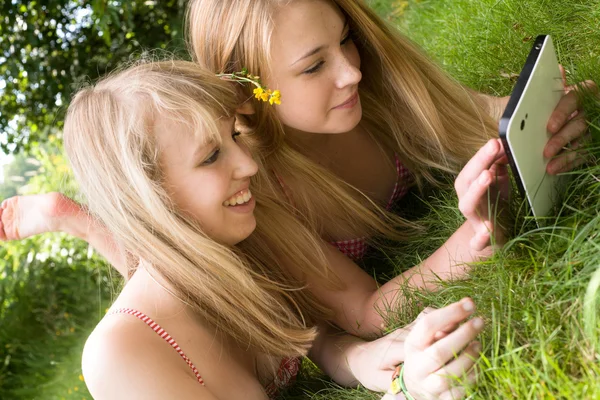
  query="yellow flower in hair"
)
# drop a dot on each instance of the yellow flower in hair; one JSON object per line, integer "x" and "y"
{"x": 258, "y": 92}
{"x": 265, "y": 96}
{"x": 275, "y": 98}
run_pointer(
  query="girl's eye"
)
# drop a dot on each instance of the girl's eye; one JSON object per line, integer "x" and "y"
{"x": 314, "y": 69}
{"x": 234, "y": 135}
{"x": 213, "y": 157}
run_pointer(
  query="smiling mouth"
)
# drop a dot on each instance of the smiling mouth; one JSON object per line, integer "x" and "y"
{"x": 350, "y": 101}
{"x": 242, "y": 197}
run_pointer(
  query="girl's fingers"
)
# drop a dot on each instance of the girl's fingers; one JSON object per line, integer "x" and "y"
{"x": 563, "y": 75}
{"x": 445, "y": 350}
{"x": 572, "y": 130}
{"x": 442, "y": 333}
{"x": 588, "y": 85}
{"x": 566, "y": 106}
{"x": 482, "y": 160}
{"x": 480, "y": 241}
{"x": 459, "y": 390}
{"x": 423, "y": 334}
{"x": 500, "y": 167}
{"x": 469, "y": 202}
{"x": 461, "y": 366}
{"x": 571, "y": 158}
{"x": 456, "y": 393}
{"x": 450, "y": 387}
{"x": 426, "y": 310}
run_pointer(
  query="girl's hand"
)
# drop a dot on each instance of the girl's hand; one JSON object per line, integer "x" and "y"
{"x": 434, "y": 361}
{"x": 376, "y": 361}
{"x": 25, "y": 216}
{"x": 482, "y": 183}
{"x": 568, "y": 127}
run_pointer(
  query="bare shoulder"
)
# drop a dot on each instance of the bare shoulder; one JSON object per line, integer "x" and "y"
{"x": 125, "y": 359}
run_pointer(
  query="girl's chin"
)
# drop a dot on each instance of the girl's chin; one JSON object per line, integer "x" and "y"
{"x": 242, "y": 232}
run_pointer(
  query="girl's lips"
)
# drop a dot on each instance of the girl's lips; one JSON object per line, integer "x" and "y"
{"x": 241, "y": 197}
{"x": 351, "y": 102}
{"x": 245, "y": 208}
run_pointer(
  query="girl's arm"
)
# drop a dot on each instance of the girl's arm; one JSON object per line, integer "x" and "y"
{"x": 360, "y": 306}
{"x": 435, "y": 350}
{"x": 493, "y": 105}
{"x": 25, "y": 216}
{"x": 483, "y": 188}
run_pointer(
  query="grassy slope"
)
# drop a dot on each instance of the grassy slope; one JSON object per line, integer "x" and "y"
{"x": 538, "y": 295}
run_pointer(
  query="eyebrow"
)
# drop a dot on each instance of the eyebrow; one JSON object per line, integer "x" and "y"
{"x": 200, "y": 152}
{"x": 201, "y": 149}
{"x": 317, "y": 49}
{"x": 310, "y": 53}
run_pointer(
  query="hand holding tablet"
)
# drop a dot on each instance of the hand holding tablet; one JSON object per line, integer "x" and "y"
{"x": 539, "y": 121}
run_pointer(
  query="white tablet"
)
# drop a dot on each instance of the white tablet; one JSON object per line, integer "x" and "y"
{"x": 523, "y": 127}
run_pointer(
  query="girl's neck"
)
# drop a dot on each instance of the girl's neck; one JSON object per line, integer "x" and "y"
{"x": 315, "y": 145}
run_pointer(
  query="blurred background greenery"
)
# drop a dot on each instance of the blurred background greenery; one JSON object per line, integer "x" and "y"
{"x": 53, "y": 288}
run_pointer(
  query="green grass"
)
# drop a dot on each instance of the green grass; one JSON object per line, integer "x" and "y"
{"x": 539, "y": 295}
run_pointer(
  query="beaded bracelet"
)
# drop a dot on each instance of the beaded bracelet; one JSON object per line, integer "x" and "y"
{"x": 398, "y": 384}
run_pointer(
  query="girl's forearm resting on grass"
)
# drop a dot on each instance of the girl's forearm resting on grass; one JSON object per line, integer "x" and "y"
{"x": 359, "y": 307}
{"x": 331, "y": 351}
{"x": 451, "y": 261}
{"x": 351, "y": 361}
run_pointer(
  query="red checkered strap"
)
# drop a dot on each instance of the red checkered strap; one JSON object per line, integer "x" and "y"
{"x": 163, "y": 334}
{"x": 288, "y": 369}
{"x": 355, "y": 249}
{"x": 286, "y": 375}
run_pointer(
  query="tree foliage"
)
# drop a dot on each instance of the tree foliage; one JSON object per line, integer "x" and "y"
{"x": 49, "y": 48}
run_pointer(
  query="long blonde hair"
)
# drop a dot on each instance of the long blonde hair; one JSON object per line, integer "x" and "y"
{"x": 245, "y": 291}
{"x": 409, "y": 105}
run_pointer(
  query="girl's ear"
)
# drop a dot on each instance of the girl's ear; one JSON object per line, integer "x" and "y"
{"x": 246, "y": 108}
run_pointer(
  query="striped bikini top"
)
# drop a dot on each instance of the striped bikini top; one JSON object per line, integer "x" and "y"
{"x": 355, "y": 249}
{"x": 285, "y": 376}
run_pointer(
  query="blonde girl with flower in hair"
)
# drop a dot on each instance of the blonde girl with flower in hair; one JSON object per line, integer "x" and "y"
{"x": 214, "y": 308}
{"x": 364, "y": 115}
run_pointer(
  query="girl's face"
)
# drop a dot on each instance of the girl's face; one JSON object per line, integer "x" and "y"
{"x": 316, "y": 67}
{"x": 209, "y": 182}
